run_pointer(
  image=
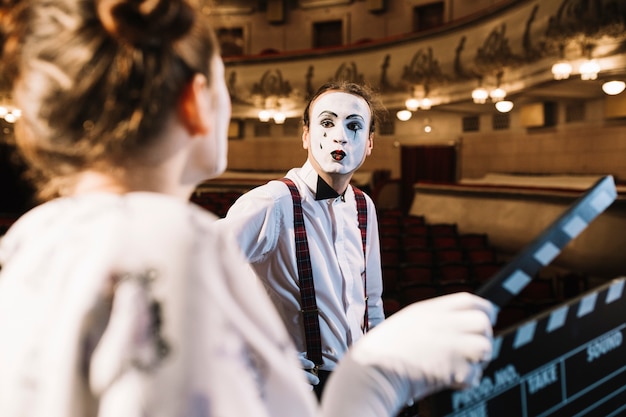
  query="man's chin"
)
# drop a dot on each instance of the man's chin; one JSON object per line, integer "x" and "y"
{"x": 333, "y": 167}
{"x": 340, "y": 169}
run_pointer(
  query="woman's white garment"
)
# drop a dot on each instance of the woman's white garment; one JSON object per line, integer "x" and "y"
{"x": 133, "y": 305}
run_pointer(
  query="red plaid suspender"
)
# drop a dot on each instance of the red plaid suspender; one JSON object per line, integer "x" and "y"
{"x": 308, "y": 303}
{"x": 305, "y": 273}
{"x": 361, "y": 207}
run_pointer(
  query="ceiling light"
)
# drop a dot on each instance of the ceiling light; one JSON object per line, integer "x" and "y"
{"x": 613, "y": 88}
{"x": 504, "y": 106}
{"x": 497, "y": 94}
{"x": 265, "y": 115}
{"x": 480, "y": 95}
{"x": 561, "y": 70}
{"x": 589, "y": 69}
{"x": 9, "y": 113}
{"x": 404, "y": 115}
{"x": 279, "y": 118}
{"x": 427, "y": 126}
{"x": 412, "y": 104}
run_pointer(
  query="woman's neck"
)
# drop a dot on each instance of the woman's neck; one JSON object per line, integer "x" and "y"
{"x": 136, "y": 179}
{"x": 98, "y": 182}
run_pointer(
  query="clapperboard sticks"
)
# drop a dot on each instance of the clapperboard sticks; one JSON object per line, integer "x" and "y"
{"x": 515, "y": 275}
{"x": 538, "y": 368}
{"x": 567, "y": 362}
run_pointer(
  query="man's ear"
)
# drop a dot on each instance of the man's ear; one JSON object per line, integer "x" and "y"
{"x": 306, "y": 137}
{"x": 194, "y": 106}
{"x": 370, "y": 145}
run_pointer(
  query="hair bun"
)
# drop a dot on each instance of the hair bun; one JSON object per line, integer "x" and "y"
{"x": 146, "y": 23}
{"x": 13, "y": 16}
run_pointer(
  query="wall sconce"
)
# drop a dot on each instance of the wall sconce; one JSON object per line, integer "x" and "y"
{"x": 265, "y": 116}
{"x": 278, "y": 116}
{"x": 497, "y": 94}
{"x": 427, "y": 126}
{"x": 412, "y": 104}
{"x": 404, "y": 115}
{"x": 561, "y": 70}
{"x": 504, "y": 106}
{"x": 480, "y": 95}
{"x": 614, "y": 87}
{"x": 426, "y": 103}
{"x": 589, "y": 69}
{"x": 9, "y": 113}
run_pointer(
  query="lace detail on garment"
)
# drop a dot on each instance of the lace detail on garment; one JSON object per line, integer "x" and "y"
{"x": 153, "y": 348}
{"x": 132, "y": 338}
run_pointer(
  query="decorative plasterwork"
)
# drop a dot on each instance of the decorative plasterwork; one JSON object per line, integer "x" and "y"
{"x": 521, "y": 42}
{"x": 495, "y": 53}
{"x": 578, "y": 19}
{"x": 272, "y": 84}
{"x": 348, "y": 72}
{"x": 424, "y": 69}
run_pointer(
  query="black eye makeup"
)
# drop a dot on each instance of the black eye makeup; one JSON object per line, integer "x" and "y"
{"x": 354, "y": 126}
{"x": 327, "y": 123}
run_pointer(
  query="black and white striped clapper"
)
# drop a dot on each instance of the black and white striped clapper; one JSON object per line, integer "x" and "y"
{"x": 569, "y": 361}
{"x": 509, "y": 281}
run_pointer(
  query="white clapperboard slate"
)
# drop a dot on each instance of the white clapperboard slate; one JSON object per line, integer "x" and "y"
{"x": 568, "y": 361}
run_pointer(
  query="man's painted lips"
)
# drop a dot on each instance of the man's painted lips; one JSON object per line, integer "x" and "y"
{"x": 338, "y": 155}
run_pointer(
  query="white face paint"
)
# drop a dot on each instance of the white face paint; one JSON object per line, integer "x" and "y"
{"x": 338, "y": 138}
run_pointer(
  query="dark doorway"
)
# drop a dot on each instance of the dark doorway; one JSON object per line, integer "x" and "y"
{"x": 432, "y": 163}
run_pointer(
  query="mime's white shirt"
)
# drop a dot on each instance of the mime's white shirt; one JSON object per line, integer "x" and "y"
{"x": 262, "y": 221}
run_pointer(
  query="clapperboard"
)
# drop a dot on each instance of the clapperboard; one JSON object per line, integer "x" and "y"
{"x": 570, "y": 360}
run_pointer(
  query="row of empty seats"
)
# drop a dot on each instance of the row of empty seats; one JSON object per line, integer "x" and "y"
{"x": 414, "y": 251}
{"x": 217, "y": 202}
{"x": 422, "y": 260}
{"x": 542, "y": 293}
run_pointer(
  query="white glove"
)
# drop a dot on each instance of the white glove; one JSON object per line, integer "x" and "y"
{"x": 308, "y": 365}
{"x": 439, "y": 343}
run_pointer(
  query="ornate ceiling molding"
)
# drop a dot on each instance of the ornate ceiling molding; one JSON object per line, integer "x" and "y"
{"x": 494, "y": 47}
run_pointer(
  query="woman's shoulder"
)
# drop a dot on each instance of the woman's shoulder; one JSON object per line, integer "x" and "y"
{"x": 139, "y": 219}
